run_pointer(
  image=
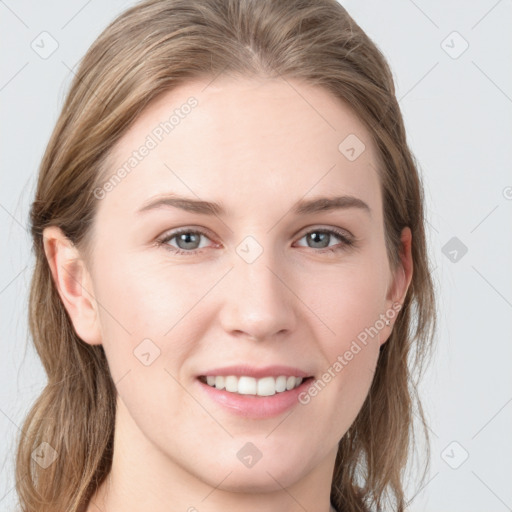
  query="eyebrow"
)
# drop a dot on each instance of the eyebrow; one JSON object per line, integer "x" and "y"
{"x": 302, "y": 207}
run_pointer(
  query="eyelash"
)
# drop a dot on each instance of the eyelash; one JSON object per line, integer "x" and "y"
{"x": 346, "y": 241}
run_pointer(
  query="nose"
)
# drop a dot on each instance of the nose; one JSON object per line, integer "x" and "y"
{"x": 260, "y": 303}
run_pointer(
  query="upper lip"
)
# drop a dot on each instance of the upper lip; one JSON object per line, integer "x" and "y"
{"x": 251, "y": 371}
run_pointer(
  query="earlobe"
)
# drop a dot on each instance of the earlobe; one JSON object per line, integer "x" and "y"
{"x": 73, "y": 284}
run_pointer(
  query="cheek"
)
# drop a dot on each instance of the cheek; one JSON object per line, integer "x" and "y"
{"x": 148, "y": 328}
{"x": 152, "y": 315}
{"x": 134, "y": 311}
{"x": 348, "y": 302}
{"x": 144, "y": 299}
{"x": 348, "y": 306}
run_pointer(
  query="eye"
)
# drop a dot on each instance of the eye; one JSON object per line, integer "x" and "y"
{"x": 188, "y": 241}
{"x": 320, "y": 239}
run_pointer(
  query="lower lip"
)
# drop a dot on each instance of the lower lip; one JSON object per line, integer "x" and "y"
{"x": 252, "y": 406}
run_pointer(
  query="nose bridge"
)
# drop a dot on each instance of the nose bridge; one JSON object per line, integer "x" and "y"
{"x": 259, "y": 304}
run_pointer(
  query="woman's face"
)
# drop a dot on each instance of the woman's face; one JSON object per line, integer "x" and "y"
{"x": 263, "y": 283}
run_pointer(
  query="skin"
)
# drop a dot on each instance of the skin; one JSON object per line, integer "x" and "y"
{"x": 257, "y": 147}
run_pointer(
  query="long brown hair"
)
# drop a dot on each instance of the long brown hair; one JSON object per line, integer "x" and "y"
{"x": 149, "y": 49}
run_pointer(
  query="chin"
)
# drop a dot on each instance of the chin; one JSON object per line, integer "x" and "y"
{"x": 264, "y": 479}
{"x": 277, "y": 468}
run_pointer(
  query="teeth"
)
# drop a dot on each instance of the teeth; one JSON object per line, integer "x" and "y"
{"x": 267, "y": 386}
{"x": 231, "y": 383}
{"x": 219, "y": 382}
{"x": 281, "y": 384}
{"x": 246, "y": 386}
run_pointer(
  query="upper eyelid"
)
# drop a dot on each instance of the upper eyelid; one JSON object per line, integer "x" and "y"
{"x": 309, "y": 229}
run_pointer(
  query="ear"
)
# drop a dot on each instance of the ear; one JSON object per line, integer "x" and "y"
{"x": 403, "y": 274}
{"x": 400, "y": 282}
{"x": 73, "y": 283}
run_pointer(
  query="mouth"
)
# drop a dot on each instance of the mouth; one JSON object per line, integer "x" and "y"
{"x": 254, "y": 392}
{"x": 259, "y": 387}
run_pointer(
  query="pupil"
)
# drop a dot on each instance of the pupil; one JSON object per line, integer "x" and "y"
{"x": 185, "y": 237}
{"x": 317, "y": 235}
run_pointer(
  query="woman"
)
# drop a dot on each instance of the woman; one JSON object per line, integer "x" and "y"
{"x": 231, "y": 269}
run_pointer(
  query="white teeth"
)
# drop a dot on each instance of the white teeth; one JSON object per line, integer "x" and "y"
{"x": 246, "y": 386}
{"x": 281, "y": 384}
{"x": 231, "y": 383}
{"x": 266, "y": 386}
{"x": 219, "y": 382}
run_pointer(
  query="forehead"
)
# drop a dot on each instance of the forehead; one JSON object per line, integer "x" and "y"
{"x": 242, "y": 142}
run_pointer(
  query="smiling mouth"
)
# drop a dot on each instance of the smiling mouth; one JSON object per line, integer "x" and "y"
{"x": 245, "y": 385}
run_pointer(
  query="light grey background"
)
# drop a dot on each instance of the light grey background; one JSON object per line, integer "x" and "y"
{"x": 458, "y": 113}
